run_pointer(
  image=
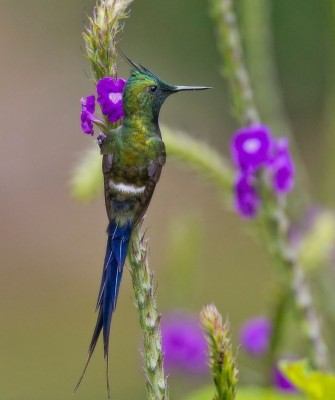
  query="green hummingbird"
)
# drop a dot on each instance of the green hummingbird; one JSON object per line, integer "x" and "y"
{"x": 133, "y": 157}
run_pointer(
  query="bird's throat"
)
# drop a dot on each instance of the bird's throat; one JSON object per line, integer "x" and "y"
{"x": 140, "y": 127}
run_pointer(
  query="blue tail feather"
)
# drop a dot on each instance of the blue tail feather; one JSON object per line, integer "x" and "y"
{"x": 116, "y": 252}
{"x": 117, "y": 246}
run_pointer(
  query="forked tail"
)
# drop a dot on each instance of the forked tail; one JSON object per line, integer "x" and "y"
{"x": 116, "y": 251}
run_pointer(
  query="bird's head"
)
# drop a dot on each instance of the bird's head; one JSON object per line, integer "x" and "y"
{"x": 145, "y": 92}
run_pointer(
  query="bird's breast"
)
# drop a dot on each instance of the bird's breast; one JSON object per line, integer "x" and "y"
{"x": 130, "y": 179}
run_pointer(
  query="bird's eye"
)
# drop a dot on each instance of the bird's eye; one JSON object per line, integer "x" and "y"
{"x": 152, "y": 89}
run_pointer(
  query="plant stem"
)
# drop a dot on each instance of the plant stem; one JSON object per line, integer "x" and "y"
{"x": 274, "y": 218}
{"x": 230, "y": 50}
{"x": 142, "y": 279}
{"x": 276, "y": 225}
{"x": 326, "y": 184}
{"x": 283, "y": 301}
{"x": 256, "y": 26}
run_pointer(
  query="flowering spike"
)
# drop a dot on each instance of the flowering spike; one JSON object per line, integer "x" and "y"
{"x": 101, "y": 36}
{"x": 222, "y": 360}
{"x": 147, "y": 308}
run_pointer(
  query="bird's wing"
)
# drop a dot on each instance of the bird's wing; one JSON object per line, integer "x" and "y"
{"x": 154, "y": 172}
{"x": 107, "y": 164}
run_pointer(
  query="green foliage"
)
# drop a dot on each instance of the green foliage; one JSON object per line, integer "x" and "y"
{"x": 246, "y": 393}
{"x": 316, "y": 385}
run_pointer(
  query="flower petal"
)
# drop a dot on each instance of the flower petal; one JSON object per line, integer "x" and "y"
{"x": 247, "y": 201}
{"x": 282, "y": 167}
{"x": 110, "y": 97}
{"x": 251, "y": 147}
{"x": 255, "y": 335}
{"x": 184, "y": 344}
{"x": 86, "y": 117}
{"x": 282, "y": 383}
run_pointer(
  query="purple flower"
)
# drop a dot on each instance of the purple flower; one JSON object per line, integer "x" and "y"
{"x": 110, "y": 97}
{"x": 282, "y": 167}
{"x": 110, "y": 101}
{"x": 281, "y": 382}
{"x": 87, "y": 110}
{"x": 251, "y": 146}
{"x": 255, "y": 336}
{"x": 247, "y": 201}
{"x": 184, "y": 344}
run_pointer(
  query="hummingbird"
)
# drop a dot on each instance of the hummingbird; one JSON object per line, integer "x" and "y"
{"x": 132, "y": 159}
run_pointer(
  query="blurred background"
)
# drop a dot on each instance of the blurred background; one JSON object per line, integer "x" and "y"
{"x": 52, "y": 248}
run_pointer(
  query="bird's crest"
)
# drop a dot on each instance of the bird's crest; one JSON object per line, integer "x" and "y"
{"x": 137, "y": 67}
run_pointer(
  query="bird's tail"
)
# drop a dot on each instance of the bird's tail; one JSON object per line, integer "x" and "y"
{"x": 116, "y": 251}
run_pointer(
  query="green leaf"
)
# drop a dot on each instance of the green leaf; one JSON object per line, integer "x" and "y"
{"x": 246, "y": 393}
{"x": 316, "y": 385}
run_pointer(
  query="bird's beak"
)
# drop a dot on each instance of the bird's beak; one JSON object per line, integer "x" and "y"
{"x": 183, "y": 88}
